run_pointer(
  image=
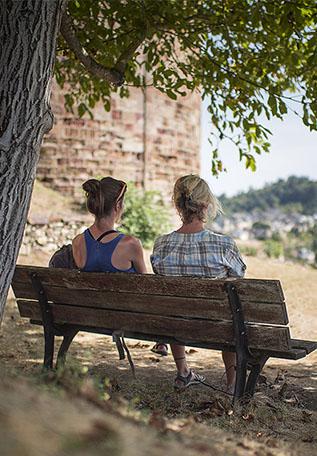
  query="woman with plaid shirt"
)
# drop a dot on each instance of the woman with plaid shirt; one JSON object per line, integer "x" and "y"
{"x": 194, "y": 250}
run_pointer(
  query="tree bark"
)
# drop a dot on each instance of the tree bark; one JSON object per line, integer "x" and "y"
{"x": 28, "y": 35}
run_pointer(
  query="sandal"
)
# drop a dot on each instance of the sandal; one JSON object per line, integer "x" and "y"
{"x": 160, "y": 349}
{"x": 191, "y": 379}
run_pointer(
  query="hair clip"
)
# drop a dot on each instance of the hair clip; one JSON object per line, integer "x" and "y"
{"x": 122, "y": 192}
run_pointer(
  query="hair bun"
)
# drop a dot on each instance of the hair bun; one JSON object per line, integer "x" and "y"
{"x": 92, "y": 186}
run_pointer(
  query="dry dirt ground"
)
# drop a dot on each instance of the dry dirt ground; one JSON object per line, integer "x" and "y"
{"x": 95, "y": 406}
{"x": 51, "y": 203}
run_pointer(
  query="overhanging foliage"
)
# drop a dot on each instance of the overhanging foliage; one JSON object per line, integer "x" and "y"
{"x": 252, "y": 60}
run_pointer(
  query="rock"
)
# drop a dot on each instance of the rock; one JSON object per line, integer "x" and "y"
{"x": 41, "y": 240}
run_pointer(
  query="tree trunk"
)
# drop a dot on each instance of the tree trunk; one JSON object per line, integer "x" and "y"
{"x": 28, "y": 35}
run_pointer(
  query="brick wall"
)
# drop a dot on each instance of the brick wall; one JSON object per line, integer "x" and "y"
{"x": 149, "y": 139}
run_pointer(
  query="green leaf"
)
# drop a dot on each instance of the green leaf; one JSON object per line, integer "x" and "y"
{"x": 282, "y": 107}
{"x": 82, "y": 108}
{"x": 171, "y": 94}
{"x": 107, "y": 105}
{"x": 272, "y": 104}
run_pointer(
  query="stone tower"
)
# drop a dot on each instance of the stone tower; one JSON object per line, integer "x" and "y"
{"x": 146, "y": 138}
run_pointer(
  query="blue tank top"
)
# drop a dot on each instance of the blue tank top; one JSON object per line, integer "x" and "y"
{"x": 99, "y": 255}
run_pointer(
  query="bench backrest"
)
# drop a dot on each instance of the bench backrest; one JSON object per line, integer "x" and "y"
{"x": 188, "y": 308}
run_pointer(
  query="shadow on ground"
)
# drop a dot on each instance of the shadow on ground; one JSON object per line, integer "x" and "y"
{"x": 284, "y": 410}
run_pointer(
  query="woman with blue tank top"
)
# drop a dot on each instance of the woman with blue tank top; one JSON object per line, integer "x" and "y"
{"x": 101, "y": 248}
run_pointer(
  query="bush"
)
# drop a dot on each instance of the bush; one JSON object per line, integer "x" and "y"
{"x": 276, "y": 236}
{"x": 273, "y": 249}
{"x": 248, "y": 251}
{"x": 145, "y": 215}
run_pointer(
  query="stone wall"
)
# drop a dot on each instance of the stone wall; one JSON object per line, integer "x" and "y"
{"x": 49, "y": 235}
{"x": 147, "y": 138}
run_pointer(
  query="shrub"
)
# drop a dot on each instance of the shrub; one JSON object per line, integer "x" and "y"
{"x": 145, "y": 215}
{"x": 273, "y": 249}
{"x": 248, "y": 250}
{"x": 276, "y": 236}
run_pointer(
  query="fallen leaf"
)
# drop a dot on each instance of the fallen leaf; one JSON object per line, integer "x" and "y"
{"x": 243, "y": 445}
{"x": 280, "y": 377}
{"x": 283, "y": 389}
{"x": 210, "y": 409}
{"x": 115, "y": 385}
{"x": 308, "y": 439}
{"x": 307, "y": 416}
{"x": 262, "y": 380}
{"x": 154, "y": 360}
{"x": 139, "y": 345}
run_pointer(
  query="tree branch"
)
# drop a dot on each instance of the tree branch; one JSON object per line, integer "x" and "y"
{"x": 113, "y": 75}
{"x": 126, "y": 55}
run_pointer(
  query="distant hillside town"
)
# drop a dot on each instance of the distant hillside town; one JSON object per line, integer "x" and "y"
{"x": 283, "y": 215}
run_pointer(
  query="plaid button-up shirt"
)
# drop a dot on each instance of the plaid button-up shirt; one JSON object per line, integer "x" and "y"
{"x": 197, "y": 254}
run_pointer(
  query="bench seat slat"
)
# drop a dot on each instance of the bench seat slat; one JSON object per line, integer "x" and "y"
{"x": 307, "y": 345}
{"x": 291, "y": 353}
{"x": 166, "y": 305}
{"x": 187, "y": 329}
{"x": 253, "y": 289}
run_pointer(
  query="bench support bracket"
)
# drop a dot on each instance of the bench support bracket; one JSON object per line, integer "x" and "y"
{"x": 256, "y": 366}
{"x": 241, "y": 340}
{"x": 244, "y": 386}
{"x": 68, "y": 337}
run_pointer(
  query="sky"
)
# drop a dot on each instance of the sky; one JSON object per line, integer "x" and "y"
{"x": 293, "y": 152}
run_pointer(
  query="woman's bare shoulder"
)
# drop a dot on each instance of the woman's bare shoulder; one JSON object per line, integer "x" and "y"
{"x": 131, "y": 241}
{"x": 78, "y": 239}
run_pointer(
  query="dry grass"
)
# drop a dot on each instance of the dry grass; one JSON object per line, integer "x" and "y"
{"x": 51, "y": 203}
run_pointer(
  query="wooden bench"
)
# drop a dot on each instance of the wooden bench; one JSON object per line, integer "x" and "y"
{"x": 247, "y": 316}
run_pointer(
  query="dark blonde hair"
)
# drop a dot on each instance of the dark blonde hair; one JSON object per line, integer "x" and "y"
{"x": 102, "y": 195}
{"x": 193, "y": 198}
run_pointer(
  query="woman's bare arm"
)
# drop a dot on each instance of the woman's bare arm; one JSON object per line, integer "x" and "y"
{"x": 137, "y": 256}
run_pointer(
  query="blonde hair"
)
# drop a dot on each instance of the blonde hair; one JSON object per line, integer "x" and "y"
{"x": 193, "y": 198}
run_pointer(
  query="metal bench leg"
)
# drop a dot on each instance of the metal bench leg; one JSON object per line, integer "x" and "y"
{"x": 48, "y": 348}
{"x": 256, "y": 369}
{"x": 67, "y": 340}
{"x": 241, "y": 341}
{"x": 241, "y": 376}
{"x": 47, "y": 319}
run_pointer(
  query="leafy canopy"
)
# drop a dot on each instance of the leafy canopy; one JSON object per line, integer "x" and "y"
{"x": 251, "y": 59}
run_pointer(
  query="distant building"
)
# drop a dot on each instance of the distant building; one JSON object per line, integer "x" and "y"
{"x": 261, "y": 230}
{"x": 147, "y": 138}
{"x": 241, "y": 234}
